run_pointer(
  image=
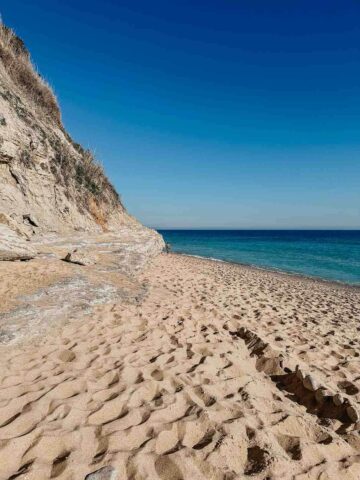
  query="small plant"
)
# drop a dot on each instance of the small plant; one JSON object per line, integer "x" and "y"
{"x": 90, "y": 174}
{"x": 25, "y": 157}
{"x": 80, "y": 165}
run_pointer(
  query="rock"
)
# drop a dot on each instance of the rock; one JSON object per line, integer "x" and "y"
{"x": 105, "y": 473}
{"x": 14, "y": 225}
{"x": 30, "y": 219}
{"x": 271, "y": 366}
{"x": 310, "y": 383}
{"x": 338, "y": 400}
{"x": 299, "y": 373}
{"x": 321, "y": 394}
{"x": 49, "y": 182}
{"x": 80, "y": 258}
{"x": 352, "y": 413}
{"x": 13, "y": 247}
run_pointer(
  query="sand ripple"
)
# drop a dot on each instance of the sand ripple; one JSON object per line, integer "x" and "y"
{"x": 166, "y": 390}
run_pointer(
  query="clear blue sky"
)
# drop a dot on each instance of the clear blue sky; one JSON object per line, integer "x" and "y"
{"x": 223, "y": 113}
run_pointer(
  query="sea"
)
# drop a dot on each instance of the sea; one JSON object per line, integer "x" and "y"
{"x": 332, "y": 255}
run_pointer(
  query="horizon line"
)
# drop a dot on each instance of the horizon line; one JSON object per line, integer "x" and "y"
{"x": 318, "y": 229}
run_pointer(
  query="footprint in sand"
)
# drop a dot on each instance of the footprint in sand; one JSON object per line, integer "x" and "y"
{"x": 157, "y": 375}
{"x": 167, "y": 469}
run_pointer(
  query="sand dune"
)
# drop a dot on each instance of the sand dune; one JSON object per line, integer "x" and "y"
{"x": 196, "y": 381}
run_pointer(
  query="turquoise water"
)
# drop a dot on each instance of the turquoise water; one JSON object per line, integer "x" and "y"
{"x": 330, "y": 255}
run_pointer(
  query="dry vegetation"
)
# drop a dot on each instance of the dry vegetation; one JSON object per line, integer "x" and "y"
{"x": 87, "y": 172}
{"x": 16, "y": 60}
{"x": 73, "y": 166}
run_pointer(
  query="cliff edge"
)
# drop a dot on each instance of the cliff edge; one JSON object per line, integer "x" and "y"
{"x": 59, "y": 210}
{"x": 48, "y": 182}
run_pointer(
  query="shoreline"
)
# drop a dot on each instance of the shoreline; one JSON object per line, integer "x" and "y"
{"x": 294, "y": 275}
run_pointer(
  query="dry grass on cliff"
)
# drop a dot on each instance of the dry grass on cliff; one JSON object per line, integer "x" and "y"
{"x": 81, "y": 173}
{"x": 17, "y": 63}
{"x": 74, "y": 167}
{"x": 91, "y": 176}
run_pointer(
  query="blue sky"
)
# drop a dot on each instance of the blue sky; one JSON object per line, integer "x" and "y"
{"x": 227, "y": 114}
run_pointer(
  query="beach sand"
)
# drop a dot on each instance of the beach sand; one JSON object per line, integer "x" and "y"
{"x": 196, "y": 378}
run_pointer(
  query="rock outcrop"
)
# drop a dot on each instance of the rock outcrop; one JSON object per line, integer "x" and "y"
{"x": 48, "y": 182}
{"x": 13, "y": 247}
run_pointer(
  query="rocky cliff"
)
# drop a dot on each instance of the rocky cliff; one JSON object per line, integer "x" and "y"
{"x": 56, "y": 204}
{"x": 48, "y": 183}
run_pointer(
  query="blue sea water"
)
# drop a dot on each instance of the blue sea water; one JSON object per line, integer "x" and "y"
{"x": 330, "y": 255}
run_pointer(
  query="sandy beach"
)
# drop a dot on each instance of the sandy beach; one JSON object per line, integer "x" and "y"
{"x": 200, "y": 377}
{"x": 231, "y": 129}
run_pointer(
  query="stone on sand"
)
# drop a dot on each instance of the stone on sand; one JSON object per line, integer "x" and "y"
{"x": 310, "y": 383}
{"x": 105, "y": 473}
{"x": 299, "y": 373}
{"x": 80, "y": 258}
{"x": 352, "y": 413}
{"x": 321, "y": 394}
{"x": 338, "y": 400}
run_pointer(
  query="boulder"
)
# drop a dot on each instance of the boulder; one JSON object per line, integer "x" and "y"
{"x": 13, "y": 247}
{"x": 80, "y": 258}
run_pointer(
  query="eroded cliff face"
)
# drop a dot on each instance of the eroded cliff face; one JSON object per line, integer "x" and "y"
{"x": 48, "y": 183}
{"x": 57, "y": 209}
